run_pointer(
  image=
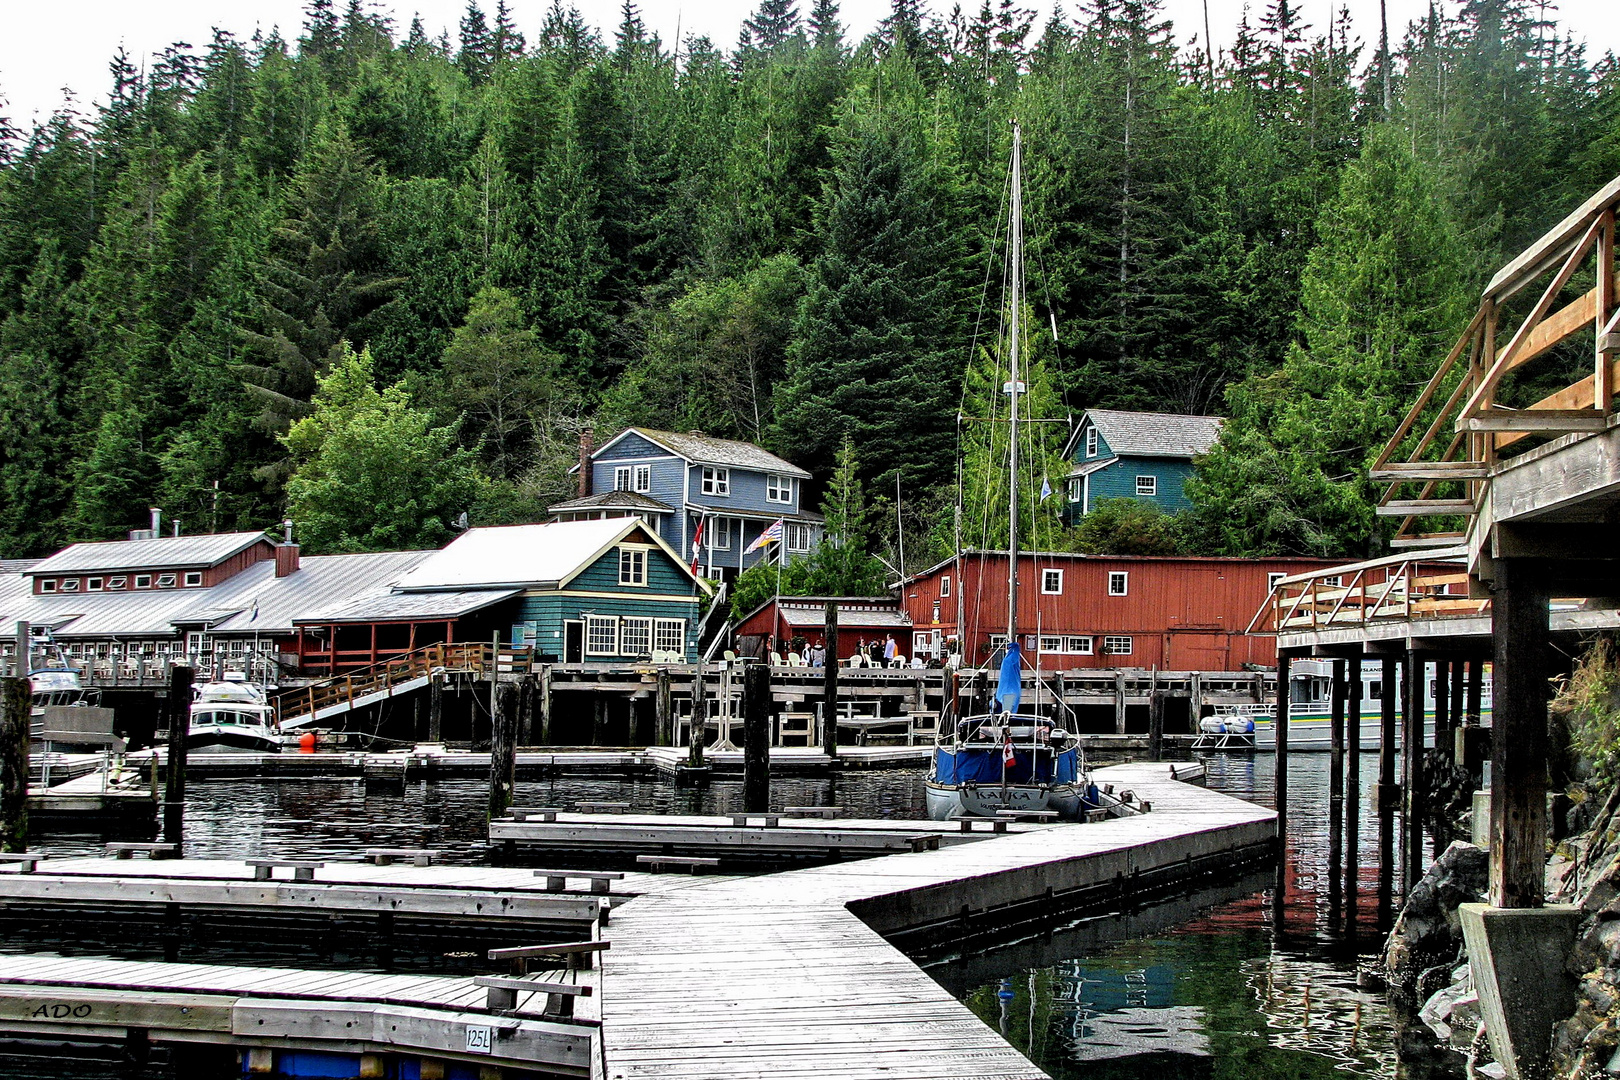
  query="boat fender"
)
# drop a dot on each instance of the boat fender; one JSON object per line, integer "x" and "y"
{"x": 306, "y": 743}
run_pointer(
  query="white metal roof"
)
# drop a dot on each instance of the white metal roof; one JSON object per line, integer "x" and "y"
{"x": 203, "y": 549}
{"x": 707, "y": 450}
{"x": 410, "y": 607}
{"x": 525, "y": 556}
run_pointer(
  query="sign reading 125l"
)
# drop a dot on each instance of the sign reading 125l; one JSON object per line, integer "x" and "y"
{"x": 480, "y": 1040}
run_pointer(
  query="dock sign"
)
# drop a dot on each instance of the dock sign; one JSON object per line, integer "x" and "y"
{"x": 480, "y": 1040}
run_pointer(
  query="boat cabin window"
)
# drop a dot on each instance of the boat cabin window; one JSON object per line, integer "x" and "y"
{"x": 1118, "y": 582}
{"x": 1375, "y": 689}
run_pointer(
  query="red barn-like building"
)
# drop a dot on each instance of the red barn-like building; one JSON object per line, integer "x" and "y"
{"x": 1100, "y": 611}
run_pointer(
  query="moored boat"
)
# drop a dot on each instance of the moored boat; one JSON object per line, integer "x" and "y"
{"x": 231, "y": 715}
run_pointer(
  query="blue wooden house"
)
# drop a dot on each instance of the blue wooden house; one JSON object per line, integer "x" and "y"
{"x": 678, "y": 483}
{"x": 1135, "y": 455}
{"x": 602, "y": 591}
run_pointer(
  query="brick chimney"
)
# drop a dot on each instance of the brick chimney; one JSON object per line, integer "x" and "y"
{"x": 286, "y": 552}
{"x": 587, "y": 444}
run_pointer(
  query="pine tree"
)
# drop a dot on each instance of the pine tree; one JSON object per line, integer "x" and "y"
{"x": 477, "y": 45}
{"x": 320, "y": 29}
{"x": 826, "y": 31}
{"x": 773, "y": 23}
{"x": 498, "y": 376}
{"x": 506, "y": 42}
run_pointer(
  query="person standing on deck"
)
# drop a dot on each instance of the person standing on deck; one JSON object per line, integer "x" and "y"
{"x": 889, "y": 649}
{"x": 818, "y": 656}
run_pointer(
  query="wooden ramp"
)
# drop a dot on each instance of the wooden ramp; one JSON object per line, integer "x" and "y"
{"x": 777, "y": 977}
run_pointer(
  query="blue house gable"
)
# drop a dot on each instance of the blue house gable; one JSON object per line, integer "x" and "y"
{"x": 681, "y": 482}
{"x": 1130, "y": 455}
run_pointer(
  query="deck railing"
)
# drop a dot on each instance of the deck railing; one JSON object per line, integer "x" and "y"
{"x": 1431, "y": 584}
{"x": 473, "y": 656}
{"x": 1452, "y": 474}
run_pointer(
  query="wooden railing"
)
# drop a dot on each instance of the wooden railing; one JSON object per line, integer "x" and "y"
{"x": 1453, "y": 475}
{"x": 1433, "y": 585}
{"x": 474, "y": 657}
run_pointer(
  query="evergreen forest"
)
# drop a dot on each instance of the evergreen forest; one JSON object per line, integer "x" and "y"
{"x": 376, "y": 279}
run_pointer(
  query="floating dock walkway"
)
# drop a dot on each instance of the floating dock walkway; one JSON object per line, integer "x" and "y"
{"x": 784, "y": 975}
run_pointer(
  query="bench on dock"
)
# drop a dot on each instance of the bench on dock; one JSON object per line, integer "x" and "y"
{"x": 823, "y": 812}
{"x": 1027, "y": 815}
{"x": 388, "y": 856}
{"x": 557, "y": 880}
{"x": 577, "y": 954}
{"x": 503, "y": 992}
{"x": 593, "y": 807}
{"x": 303, "y": 869}
{"x": 127, "y": 850}
{"x": 997, "y": 825}
{"x": 771, "y": 821}
{"x": 690, "y": 863}
{"x": 25, "y": 860}
{"x": 539, "y": 813}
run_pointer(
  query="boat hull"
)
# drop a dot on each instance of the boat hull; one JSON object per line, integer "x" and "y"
{"x": 230, "y": 740}
{"x": 947, "y": 801}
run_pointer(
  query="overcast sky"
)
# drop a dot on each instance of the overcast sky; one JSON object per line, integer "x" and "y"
{"x": 45, "y": 47}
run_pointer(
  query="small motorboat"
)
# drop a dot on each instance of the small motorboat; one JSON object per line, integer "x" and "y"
{"x": 232, "y": 715}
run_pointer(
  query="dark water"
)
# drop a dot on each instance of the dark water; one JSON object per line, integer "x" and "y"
{"x": 1204, "y": 987}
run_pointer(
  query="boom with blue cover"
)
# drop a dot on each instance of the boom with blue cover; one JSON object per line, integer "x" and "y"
{"x": 1010, "y": 688}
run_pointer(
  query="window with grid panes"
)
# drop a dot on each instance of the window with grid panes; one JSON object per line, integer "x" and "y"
{"x": 669, "y": 635}
{"x": 601, "y": 635}
{"x": 636, "y": 637}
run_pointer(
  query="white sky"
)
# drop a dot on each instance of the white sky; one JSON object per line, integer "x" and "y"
{"x": 45, "y": 47}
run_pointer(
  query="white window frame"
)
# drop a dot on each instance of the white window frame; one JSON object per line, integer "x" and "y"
{"x": 622, "y": 477}
{"x": 167, "y": 581}
{"x": 632, "y": 566}
{"x": 70, "y": 584}
{"x": 1334, "y": 582}
{"x": 1051, "y": 643}
{"x": 643, "y": 480}
{"x": 945, "y": 586}
{"x": 717, "y": 482}
{"x": 594, "y": 622}
{"x": 93, "y": 584}
{"x": 1076, "y": 490}
{"x": 47, "y": 585}
{"x": 1119, "y": 583}
{"x": 1051, "y": 582}
{"x": 998, "y": 641}
{"x": 798, "y": 536}
{"x": 1272, "y": 578}
{"x": 778, "y": 488}
{"x": 1112, "y": 644}
{"x": 722, "y": 534}
{"x": 119, "y": 582}
{"x": 669, "y": 636}
{"x": 193, "y": 579}
{"x": 143, "y": 581}
{"x": 1079, "y": 644}
{"x": 1147, "y": 486}
{"x": 636, "y": 636}
{"x": 1091, "y": 441}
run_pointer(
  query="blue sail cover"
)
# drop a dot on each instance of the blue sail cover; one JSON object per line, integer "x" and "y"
{"x": 985, "y": 765}
{"x": 1010, "y": 689}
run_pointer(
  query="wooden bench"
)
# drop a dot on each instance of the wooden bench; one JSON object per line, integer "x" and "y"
{"x": 823, "y": 812}
{"x": 303, "y": 869}
{"x": 578, "y": 954}
{"x": 503, "y": 993}
{"x": 690, "y": 863}
{"x": 388, "y": 856}
{"x": 541, "y": 813}
{"x": 557, "y": 880}
{"x": 126, "y": 850}
{"x": 25, "y": 860}
{"x": 592, "y": 807}
{"x": 741, "y": 820}
{"x": 1028, "y": 815}
{"x": 966, "y": 821}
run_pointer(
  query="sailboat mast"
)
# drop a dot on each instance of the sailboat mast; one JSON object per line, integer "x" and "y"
{"x": 1016, "y": 302}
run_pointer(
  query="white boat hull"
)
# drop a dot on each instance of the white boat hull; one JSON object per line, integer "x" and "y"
{"x": 947, "y": 801}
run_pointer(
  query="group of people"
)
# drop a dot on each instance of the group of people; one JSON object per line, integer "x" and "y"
{"x": 873, "y": 653}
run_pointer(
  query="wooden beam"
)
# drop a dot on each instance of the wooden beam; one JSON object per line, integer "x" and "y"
{"x": 1543, "y": 420}
{"x": 1539, "y": 256}
{"x": 1425, "y": 540}
{"x": 1402, "y": 471}
{"x": 1602, "y": 301}
{"x": 1426, "y": 507}
{"x": 1570, "y": 399}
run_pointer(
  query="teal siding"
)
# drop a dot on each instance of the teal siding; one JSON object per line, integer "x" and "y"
{"x": 541, "y": 615}
{"x": 1118, "y": 481}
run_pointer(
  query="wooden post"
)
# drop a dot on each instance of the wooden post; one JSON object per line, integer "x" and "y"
{"x": 1519, "y": 632}
{"x": 599, "y": 719}
{"x": 502, "y": 749}
{"x": 698, "y": 729}
{"x": 1388, "y": 791}
{"x": 1156, "y": 725}
{"x": 1443, "y": 720}
{"x": 527, "y": 689}
{"x": 1412, "y": 759}
{"x": 1352, "y": 794}
{"x": 545, "y": 705}
{"x": 757, "y": 738}
{"x": 1476, "y": 689}
{"x": 664, "y": 711}
{"x": 174, "y": 790}
{"x": 16, "y": 697}
{"x": 1338, "y": 692}
{"x": 1119, "y": 703}
{"x": 1281, "y": 721}
{"x": 1459, "y": 680}
{"x": 436, "y": 708}
{"x": 829, "y": 685}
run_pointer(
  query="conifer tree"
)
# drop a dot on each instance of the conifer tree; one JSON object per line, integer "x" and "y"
{"x": 477, "y": 53}
{"x": 773, "y": 23}
{"x": 826, "y": 32}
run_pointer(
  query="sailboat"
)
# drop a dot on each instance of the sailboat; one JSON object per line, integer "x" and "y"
{"x": 1009, "y": 758}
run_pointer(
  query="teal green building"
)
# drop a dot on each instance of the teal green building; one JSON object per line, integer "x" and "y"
{"x": 1134, "y": 455}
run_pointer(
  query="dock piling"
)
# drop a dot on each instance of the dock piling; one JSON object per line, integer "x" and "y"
{"x": 1156, "y": 725}
{"x": 1338, "y": 693}
{"x": 1412, "y": 758}
{"x": 436, "y": 708}
{"x": 1352, "y": 794}
{"x": 1388, "y": 792}
{"x": 178, "y": 707}
{"x": 757, "y": 738}
{"x": 664, "y": 711}
{"x": 503, "y": 750}
{"x": 525, "y": 729}
{"x": 829, "y": 685}
{"x": 1519, "y": 627}
{"x": 544, "y": 691}
{"x": 698, "y": 729}
{"x": 16, "y": 699}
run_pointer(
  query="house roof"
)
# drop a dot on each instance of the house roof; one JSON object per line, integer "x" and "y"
{"x": 889, "y": 617}
{"x": 613, "y": 500}
{"x": 164, "y": 552}
{"x": 526, "y": 556}
{"x": 852, "y": 610}
{"x": 1090, "y": 467}
{"x": 1149, "y": 434}
{"x": 401, "y": 607}
{"x": 707, "y": 450}
{"x": 1080, "y": 556}
{"x": 13, "y": 566}
{"x": 265, "y": 603}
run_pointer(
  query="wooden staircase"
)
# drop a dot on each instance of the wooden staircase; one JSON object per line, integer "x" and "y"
{"x": 343, "y": 693}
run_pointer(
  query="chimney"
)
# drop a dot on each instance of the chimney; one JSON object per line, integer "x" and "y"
{"x": 286, "y": 553}
{"x": 157, "y": 522}
{"x": 587, "y": 444}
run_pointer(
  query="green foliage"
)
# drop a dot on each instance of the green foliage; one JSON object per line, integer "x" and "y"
{"x": 1128, "y": 527}
{"x": 371, "y": 472}
{"x": 1590, "y": 701}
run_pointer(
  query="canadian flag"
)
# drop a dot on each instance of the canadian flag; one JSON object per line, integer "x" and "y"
{"x": 697, "y": 545}
{"x": 1007, "y": 756}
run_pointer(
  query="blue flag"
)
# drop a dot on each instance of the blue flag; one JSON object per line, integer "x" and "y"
{"x": 1010, "y": 690}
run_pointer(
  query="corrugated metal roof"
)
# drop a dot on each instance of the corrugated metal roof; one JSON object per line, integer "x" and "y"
{"x": 708, "y": 450}
{"x": 12, "y": 566}
{"x": 806, "y": 617}
{"x": 395, "y": 607}
{"x": 613, "y": 500}
{"x": 518, "y": 555}
{"x": 1145, "y": 434}
{"x": 204, "y": 549}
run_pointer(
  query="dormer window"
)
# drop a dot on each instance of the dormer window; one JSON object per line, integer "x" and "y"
{"x": 1091, "y": 442}
{"x": 117, "y": 582}
{"x": 716, "y": 481}
{"x": 92, "y": 584}
{"x": 47, "y": 585}
{"x": 778, "y": 488}
{"x": 621, "y": 478}
{"x": 193, "y": 579}
{"x": 143, "y": 581}
{"x": 166, "y": 581}
{"x": 632, "y": 566}
{"x": 643, "y": 480}
{"x": 70, "y": 584}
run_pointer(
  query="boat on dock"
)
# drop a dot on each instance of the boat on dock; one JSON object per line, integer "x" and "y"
{"x": 231, "y": 715}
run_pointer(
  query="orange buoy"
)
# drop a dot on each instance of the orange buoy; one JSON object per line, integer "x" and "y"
{"x": 306, "y": 743}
